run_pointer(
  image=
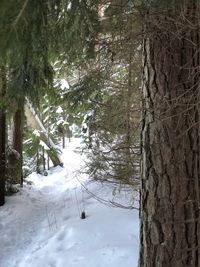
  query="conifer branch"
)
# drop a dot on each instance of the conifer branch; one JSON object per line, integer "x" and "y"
{"x": 20, "y": 13}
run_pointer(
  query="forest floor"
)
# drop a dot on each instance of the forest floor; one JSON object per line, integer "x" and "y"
{"x": 40, "y": 226}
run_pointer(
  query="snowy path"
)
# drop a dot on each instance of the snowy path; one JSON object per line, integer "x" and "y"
{"x": 40, "y": 226}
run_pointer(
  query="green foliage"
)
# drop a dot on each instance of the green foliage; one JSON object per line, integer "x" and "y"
{"x": 31, "y": 143}
{"x": 88, "y": 87}
{"x": 24, "y": 45}
{"x": 107, "y": 93}
{"x": 53, "y": 113}
{"x": 113, "y": 137}
{"x": 100, "y": 53}
{"x": 77, "y": 28}
{"x": 33, "y": 35}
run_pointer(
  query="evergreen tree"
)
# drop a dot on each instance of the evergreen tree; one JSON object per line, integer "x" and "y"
{"x": 106, "y": 92}
{"x": 170, "y": 218}
{"x": 29, "y": 32}
{"x": 23, "y": 46}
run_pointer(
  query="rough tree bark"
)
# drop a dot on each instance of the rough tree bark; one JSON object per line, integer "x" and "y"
{"x": 2, "y": 136}
{"x": 170, "y": 206}
{"x": 15, "y": 163}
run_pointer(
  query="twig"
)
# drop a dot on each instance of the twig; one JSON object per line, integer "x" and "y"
{"x": 106, "y": 202}
{"x": 20, "y": 13}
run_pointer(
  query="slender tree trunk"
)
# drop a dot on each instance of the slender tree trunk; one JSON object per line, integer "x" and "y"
{"x": 18, "y": 145}
{"x": 63, "y": 138}
{"x": 170, "y": 214}
{"x": 37, "y": 162}
{"x": 2, "y": 137}
{"x": 44, "y": 160}
{"x": 128, "y": 117}
{"x": 48, "y": 162}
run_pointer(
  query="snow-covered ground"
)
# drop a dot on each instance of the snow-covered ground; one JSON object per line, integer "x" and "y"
{"x": 41, "y": 227}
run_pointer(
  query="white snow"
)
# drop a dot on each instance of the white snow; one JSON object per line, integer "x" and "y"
{"x": 36, "y": 133}
{"x": 41, "y": 226}
{"x": 64, "y": 84}
{"x": 44, "y": 145}
{"x": 59, "y": 110}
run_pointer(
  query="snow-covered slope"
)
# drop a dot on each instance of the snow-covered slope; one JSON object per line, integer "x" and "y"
{"x": 41, "y": 225}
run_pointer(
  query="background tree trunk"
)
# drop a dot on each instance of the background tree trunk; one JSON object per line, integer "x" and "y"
{"x": 2, "y": 136}
{"x": 63, "y": 139}
{"x": 170, "y": 215}
{"x": 16, "y": 164}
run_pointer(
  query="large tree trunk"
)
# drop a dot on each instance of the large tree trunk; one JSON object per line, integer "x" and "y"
{"x": 2, "y": 136}
{"x": 170, "y": 206}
